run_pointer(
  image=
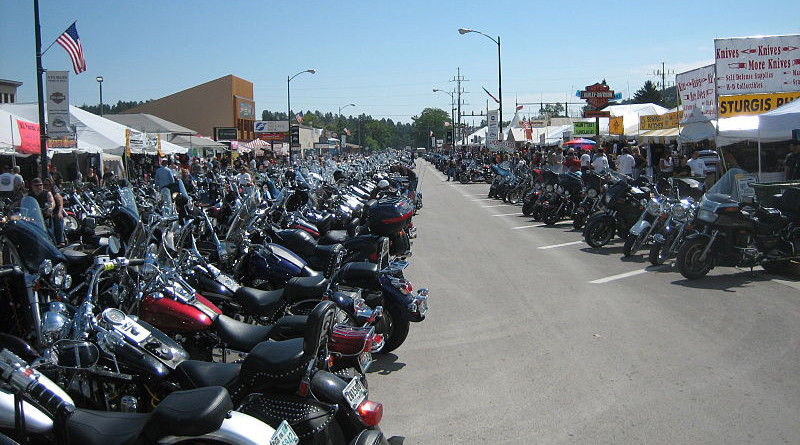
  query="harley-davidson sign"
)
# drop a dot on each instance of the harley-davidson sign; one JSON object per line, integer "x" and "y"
{"x": 597, "y": 95}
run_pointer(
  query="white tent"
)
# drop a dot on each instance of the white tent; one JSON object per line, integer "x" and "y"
{"x": 777, "y": 125}
{"x": 94, "y": 133}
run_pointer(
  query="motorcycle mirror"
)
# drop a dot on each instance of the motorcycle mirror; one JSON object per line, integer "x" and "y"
{"x": 76, "y": 354}
{"x": 113, "y": 245}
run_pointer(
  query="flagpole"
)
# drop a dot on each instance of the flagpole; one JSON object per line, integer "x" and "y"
{"x": 40, "y": 90}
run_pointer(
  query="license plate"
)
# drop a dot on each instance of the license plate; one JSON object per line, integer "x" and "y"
{"x": 639, "y": 227}
{"x": 284, "y": 435}
{"x": 364, "y": 360}
{"x": 354, "y": 393}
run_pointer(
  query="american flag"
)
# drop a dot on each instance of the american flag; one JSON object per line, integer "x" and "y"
{"x": 299, "y": 117}
{"x": 70, "y": 41}
{"x": 347, "y": 132}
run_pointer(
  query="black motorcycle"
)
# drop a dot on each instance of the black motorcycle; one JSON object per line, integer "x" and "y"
{"x": 622, "y": 206}
{"x": 741, "y": 235}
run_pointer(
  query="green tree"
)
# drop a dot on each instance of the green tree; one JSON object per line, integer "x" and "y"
{"x": 431, "y": 119}
{"x": 648, "y": 94}
{"x": 551, "y": 110}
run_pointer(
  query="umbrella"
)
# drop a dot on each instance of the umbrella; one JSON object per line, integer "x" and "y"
{"x": 580, "y": 141}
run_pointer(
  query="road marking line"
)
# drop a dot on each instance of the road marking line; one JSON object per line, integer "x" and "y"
{"x": 499, "y": 205}
{"x": 525, "y": 227}
{"x": 629, "y": 274}
{"x": 508, "y": 214}
{"x": 561, "y": 245}
{"x": 482, "y": 199}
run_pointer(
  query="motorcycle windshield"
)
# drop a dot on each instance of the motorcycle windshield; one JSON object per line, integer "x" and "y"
{"x": 30, "y": 211}
{"x": 128, "y": 200}
{"x": 728, "y": 184}
{"x": 243, "y": 215}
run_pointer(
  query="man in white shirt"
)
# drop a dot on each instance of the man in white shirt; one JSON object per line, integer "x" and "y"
{"x": 6, "y": 183}
{"x": 697, "y": 165}
{"x": 626, "y": 162}
{"x": 244, "y": 177}
{"x": 586, "y": 161}
{"x": 600, "y": 163}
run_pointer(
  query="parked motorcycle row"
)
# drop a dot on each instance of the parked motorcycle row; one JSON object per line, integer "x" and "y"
{"x": 233, "y": 314}
{"x": 673, "y": 218}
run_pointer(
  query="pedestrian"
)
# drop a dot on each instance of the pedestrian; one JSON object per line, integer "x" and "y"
{"x": 600, "y": 162}
{"x": 791, "y": 163}
{"x": 7, "y": 183}
{"x": 44, "y": 198}
{"x": 91, "y": 177}
{"x": 57, "y": 221}
{"x": 696, "y": 165}
{"x": 665, "y": 165}
{"x": 571, "y": 163}
{"x": 639, "y": 164}
{"x": 451, "y": 169}
{"x": 108, "y": 176}
{"x": 586, "y": 161}
{"x": 165, "y": 178}
{"x": 243, "y": 178}
{"x": 626, "y": 162}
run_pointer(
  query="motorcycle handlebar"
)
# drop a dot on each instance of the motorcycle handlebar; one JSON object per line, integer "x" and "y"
{"x": 17, "y": 373}
{"x": 7, "y": 271}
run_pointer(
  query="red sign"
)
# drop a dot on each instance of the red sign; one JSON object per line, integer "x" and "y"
{"x": 598, "y": 95}
{"x": 30, "y": 142}
{"x": 271, "y": 136}
{"x": 596, "y": 113}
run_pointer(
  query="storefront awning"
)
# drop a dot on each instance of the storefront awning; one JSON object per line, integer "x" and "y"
{"x": 660, "y": 136}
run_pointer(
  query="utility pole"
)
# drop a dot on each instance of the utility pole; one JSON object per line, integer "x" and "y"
{"x": 459, "y": 91}
{"x": 663, "y": 73}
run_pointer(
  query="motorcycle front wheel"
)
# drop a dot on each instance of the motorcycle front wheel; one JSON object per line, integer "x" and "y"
{"x": 527, "y": 208}
{"x": 550, "y": 216}
{"x": 463, "y": 178}
{"x": 598, "y": 233}
{"x": 632, "y": 244}
{"x": 658, "y": 253}
{"x": 513, "y": 196}
{"x": 689, "y": 263}
{"x": 578, "y": 221}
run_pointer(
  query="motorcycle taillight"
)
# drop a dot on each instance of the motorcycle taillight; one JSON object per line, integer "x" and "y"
{"x": 351, "y": 340}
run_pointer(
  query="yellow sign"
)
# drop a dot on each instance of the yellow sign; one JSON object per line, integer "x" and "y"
{"x": 752, "y": 104}
{"x": 660, "y": 121}
{"x": 615, "y": 125}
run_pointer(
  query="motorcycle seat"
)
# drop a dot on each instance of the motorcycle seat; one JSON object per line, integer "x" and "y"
{"x": 198, "y": 374}
{"x": 274, "y": 362}
{"x": 260, "y": 302}
{"x": 183, "y": 413}
{"x": 334, "y": 237}
{"x": 77, "y": 259}
{"x": 240, "y": 335}
{"x": 303, "y": 288}
{"x": 361, "y": 274}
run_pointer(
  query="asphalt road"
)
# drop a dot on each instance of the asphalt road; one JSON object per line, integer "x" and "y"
{"x": 533, "y": 337}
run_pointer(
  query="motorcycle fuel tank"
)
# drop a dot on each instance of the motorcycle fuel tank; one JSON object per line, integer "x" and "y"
{"x": 178, "y": 317}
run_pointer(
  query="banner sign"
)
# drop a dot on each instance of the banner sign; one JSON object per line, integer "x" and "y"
{"x": 537, "y": 123}
{"x": 271, "y": 126}
{"x": 29, "y": 135}
{"x": 615, "y": 125}
{"x": 493, "y": 132}
{"x": 58, "y": 104}
{"x": 696, "y": 92}
{"x": 584, "y": 128}
{"x": 751, "y": 65}
{"x": 659, "y": 121}
{"x": 502, "y": 145}
{"x": 752, "y": 104}
{"x": 271, "y": 136}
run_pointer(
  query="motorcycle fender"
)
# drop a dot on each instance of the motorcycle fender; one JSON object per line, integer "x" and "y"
{"x": 237, "y": 428}
{"x": 601, "y": 215}
{"x": 18, "y": 346}
{"x": 393, "y": 297}
{"x": 641, "y": 226}
{"x": 328, "y": 387}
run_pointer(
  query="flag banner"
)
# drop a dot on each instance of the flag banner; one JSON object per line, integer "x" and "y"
{"x": 58, "y": 122}
{"x": 519, "y": 107}
{"x": 490, "y": 95}
{"x": 299, "y": 118}
{"x": 29, "y": 137}
{"x": 71, "y": 43}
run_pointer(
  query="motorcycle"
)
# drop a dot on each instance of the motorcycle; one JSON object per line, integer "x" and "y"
{"x": 621, "y": 208}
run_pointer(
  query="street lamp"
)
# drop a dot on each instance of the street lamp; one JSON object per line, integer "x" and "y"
{"x": 343, "y": 107}
{"x": 452, "y": 109}
{"x": 99, "y": 80}
{"x": 289, "y": 106}
{"x": 499, "y": 70}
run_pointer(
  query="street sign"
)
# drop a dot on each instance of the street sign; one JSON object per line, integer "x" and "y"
{"x": 597, "y": 95}
{"x": 596, "y": 113}
{"x": 271, "y": 126}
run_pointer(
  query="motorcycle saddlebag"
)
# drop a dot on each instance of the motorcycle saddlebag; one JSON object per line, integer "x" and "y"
{"x": 389, "y": 216}
{"x": 311, "y": 420}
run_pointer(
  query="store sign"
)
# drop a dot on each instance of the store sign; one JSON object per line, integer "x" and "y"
{"x": 226, "y": 133}
{"x": 58, "y": 125}
{"x": 752, "y": 65}
{"x": 615, "y": 125}
{"x": 271, "y": 136}
{"x": 271, "y": 126}
{"x": 597, "y": 95}
{"x": 696, "y": 93}
{"x": 752, "y": 104}
{"x": 584, "y": 128}
{"x": 596, "y": 113}
{"x": 660, "y": 121}
{"x": 30, "y": 138}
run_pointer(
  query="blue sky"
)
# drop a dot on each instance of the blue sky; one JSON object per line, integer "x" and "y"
{"x": 386, "y": 57}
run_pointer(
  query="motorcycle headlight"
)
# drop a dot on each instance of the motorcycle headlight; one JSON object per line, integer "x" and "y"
{"x": 538, "y": 185}
{"x": 59, "y": 277}
{"x": 46, "y": 267}
{"x": 707, "y": 216}
{"x": 653, "y": 207}
{"x": 592, "y": 193}
{"x": 679, "y": 212}
{"x": 549, "y": 187}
